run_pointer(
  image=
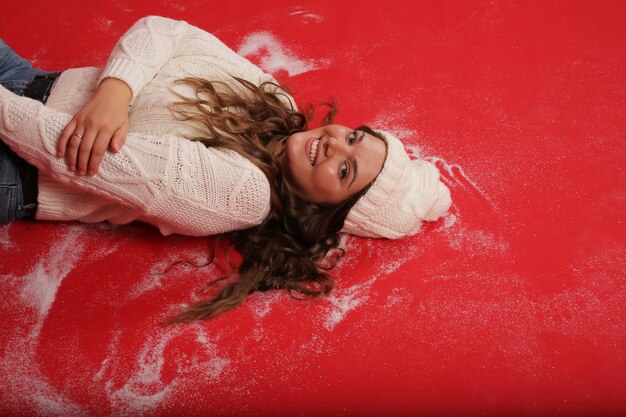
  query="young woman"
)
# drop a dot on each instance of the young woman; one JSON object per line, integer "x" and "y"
{"x": 202, "y": 142}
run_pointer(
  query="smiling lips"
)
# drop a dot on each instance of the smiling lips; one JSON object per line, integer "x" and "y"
{"x": 313, "y": 151}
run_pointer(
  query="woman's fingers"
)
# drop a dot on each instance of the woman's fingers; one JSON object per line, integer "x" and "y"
{"x": 65, "y": 137}
{"x": 97, "y": 152}
{"x": 119, "y": 138}
{"x": 71, "y": 152}
{"x": 101, "y": 123}
{"x": 84, "y": 150}
{"x": 78, "y": 143}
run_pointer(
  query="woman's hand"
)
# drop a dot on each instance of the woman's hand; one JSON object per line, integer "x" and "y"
{"x": 103, "y": 121}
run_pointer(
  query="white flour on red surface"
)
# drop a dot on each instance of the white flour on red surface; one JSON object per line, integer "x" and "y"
{"x": 5, "y": 239}
{"x": 145, "y": 388}
{"x": 28, "y": 388}
{"x": 43, "y": 281}
{"x": 158, "y": 278}
{"x": 260, "y": 303}
{"x": 273, "y": 56}
{"x": 345, "y": 300}
{"x": 308, "y": 17}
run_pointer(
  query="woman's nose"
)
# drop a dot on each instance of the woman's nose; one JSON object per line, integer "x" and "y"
{"x": 335, "y": 146}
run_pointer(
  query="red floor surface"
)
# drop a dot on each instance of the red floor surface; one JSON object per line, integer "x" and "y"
{"x": 513, "y": 304}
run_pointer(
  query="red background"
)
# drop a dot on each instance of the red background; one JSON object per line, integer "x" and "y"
{"x": 514, "y": 304}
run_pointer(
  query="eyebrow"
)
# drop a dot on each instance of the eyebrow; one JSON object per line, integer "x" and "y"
{"x": 356, "y": 165}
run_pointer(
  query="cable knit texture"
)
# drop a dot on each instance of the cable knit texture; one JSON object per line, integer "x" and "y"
{"x": 158, "y": 177}
{"x": 405, "y": 194}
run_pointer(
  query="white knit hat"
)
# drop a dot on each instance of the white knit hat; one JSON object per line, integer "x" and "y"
{"x": 404, "y": 194}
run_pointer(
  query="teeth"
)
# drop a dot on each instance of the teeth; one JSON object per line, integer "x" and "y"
{"x": 313, "y": 151}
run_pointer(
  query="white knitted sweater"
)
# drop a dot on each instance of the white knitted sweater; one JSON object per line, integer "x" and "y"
{"x": 158, "y": 177}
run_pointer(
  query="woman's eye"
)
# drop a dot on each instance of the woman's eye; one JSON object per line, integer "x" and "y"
{"x": 351, "y": 138}
{"x": 343, "y": 171}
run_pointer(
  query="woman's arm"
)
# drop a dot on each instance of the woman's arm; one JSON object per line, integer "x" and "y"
{"x": 142, "y": 52}
{"x": 103, "y": 122}
{"x": 176, "y": 184}
{"x": 153, "y": 41}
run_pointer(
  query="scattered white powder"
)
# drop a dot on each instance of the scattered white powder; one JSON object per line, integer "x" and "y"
{"x": 149, "y": 386}
{"x": 344, "y": 301}
{"x": 179, "y": 7}
{"x": 153, "y": 280}
{"x": 19, "y": 363}
{"x": 398, "y": 296}
{"x": 452, "y": 174}
{"x": 206, "y": 361}
{"x": 98, "y": 376}
{"x": 103, "y": 24}
{"x": 144, "y": 390}
{"x": 274, "y": 56}
{"x": 476, "y": 241}
{"x": 460, "y": 236}
{"x": 460, "y": 183}
{"x": 42, "y": 283}
{"x": 24, "y": 386}
{"x": 602, "y": 272}
{"x": 307, "y": 16}
{"x": 261, "y": 302}
{"x": 391, "y": 122}
{"x": 387, "y": 268}
{"x": 5, "y": 239}
{"x": 35, "y": 59}
{"x": 414, "y": 151}
{"x": 41, "y": 289}
{"x": 449, "y": 220}
{"x": 111, "y": 353}
{"x": 316, "y": 345}
{"x": 157, "y": 278}
{"x": 51, "y": 405}
{"x": 455, "y": 174}
{"x": 123, "y": 7}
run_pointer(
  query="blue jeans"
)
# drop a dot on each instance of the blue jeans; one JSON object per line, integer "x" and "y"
{"x": 15, "y": 75}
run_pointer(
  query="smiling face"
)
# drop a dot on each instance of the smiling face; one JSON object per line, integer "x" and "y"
{"x": 331, "y": 163}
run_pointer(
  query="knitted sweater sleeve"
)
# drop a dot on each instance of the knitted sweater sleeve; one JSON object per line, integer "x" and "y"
{"x": 143, "y": 50}
{"x": 153, "y": 41}
{"x": 173, "y": 183}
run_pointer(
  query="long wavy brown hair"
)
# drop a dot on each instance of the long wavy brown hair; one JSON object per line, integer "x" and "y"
{"x": 287, "y": 250}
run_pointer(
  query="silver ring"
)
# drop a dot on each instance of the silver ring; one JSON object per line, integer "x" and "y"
{"x": 79, "y": 136}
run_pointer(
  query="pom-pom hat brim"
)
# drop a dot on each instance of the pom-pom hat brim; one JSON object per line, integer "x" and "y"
{"x": 404, "y": 194}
